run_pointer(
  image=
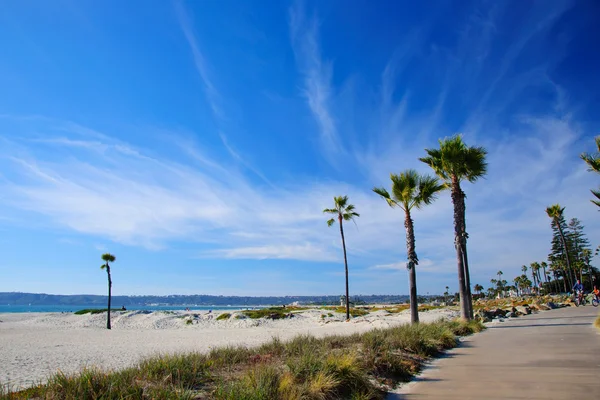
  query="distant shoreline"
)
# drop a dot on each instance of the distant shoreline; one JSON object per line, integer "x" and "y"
{"x": 51, "y": 308}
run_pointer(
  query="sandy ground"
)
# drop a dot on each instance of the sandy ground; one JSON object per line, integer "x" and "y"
{"x": 34, "y": 346}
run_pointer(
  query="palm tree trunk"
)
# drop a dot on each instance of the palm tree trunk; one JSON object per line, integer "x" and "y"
{"x": 109, "y": 295}
{"x": 346, "y": 266}
{"x": 564, "y": 243}
{"x": 412, "y": 264}
{"x": 456, "y": 195}
{"x": 464, "y": 253}
{"x": 467, "y": 278}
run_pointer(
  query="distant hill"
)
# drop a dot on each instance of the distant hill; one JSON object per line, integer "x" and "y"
{"x": 18, "y": 298}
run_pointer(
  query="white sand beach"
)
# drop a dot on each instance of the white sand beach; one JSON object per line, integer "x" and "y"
{"x": 34, "y": 346}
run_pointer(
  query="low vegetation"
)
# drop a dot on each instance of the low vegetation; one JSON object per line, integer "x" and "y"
{"x": 223, "y": 316}
{"x": 597, "y": 322}
{"x": 95, "y": 310}
{"x": 272, "y": 312}
{"x": 359, "y": 366}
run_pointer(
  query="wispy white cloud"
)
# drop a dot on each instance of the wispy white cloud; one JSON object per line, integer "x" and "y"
{"x": 213, "y": 96}
{"x": 304, "y": 252}
{"x": 317, "y": 74}
{"x": 187, "y": 26}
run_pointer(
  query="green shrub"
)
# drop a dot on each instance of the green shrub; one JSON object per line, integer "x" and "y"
{"x": 95, "y": 311}
{"x": 272, "y": 313}
{"x": 223, "y": 316}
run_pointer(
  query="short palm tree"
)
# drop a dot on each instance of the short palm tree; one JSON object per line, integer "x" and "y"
{"x": 411, "y": 190}
{"x": 344, "y": 212}
{"x": 593, "y": 162}
{"x": 107, "y": 257}
{"x": 555, "y": 212}
{"x": 478, "y": 288}
{"x": 454, "y": 162}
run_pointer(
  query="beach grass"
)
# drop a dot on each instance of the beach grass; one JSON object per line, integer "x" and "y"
{"x": 272, "y": 312}
{"x": 95, "y": 311}
{"x": 357, "y": 366}
{"x": 223, "y": 316}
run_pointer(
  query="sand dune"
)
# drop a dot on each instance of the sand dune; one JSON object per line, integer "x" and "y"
{"x": 36, "y": 345}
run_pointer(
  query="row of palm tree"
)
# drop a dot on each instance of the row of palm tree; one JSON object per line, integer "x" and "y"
{"x": 453, "y": 162}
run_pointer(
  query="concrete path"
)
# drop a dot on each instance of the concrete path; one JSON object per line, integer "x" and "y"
{"x": 551, "y": 355}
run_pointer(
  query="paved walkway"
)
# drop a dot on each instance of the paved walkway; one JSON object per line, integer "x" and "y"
{"x": 551, "y": 355}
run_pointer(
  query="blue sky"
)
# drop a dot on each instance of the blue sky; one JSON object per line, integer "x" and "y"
{"x": 200, "y": 141}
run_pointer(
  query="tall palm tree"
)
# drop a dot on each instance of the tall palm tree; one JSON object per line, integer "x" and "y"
{"x": 411, "y": 190}
{"x": 107, "y": 257}
{"x": 454, "y": 162}
{"x": 478, "y": 288}
{"x": 344, "y": 212}
{"x": 555, "y": 212}
{"x": 593, "y": 162}
{"x": 500, "y": 286}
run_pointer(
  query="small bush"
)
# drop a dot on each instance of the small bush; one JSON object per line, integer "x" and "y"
{"x": 223, "y": 316}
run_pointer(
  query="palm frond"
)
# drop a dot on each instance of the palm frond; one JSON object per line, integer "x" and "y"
{"x": 340, "y": 202}
{"x": 330, "y": 211}
{"x": 386, "y": 196}
{"x": 108, "y": 257}
{"x": 593, "y": 160}
{"x": 404, "y": 186}
{"x": 596, "y": 193}
{"x": 103, "y": 266}
{"x": 475, "y": 165}
{"x": 330, "y": 221}
{"x": 350, "y": 216}
{"x": 429, "y": 188}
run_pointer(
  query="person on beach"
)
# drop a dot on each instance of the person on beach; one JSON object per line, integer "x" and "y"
{"x": 596, "y": 292}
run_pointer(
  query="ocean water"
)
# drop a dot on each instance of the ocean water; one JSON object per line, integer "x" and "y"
{"x": 7, "y": 308}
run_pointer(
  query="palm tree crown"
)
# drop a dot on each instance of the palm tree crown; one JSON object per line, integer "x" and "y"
{"x": 342, "y": 209}
{"x": 410, "y": 189}
{"x": 555, "y": 211}
{"x": 455, "y": 160}
{"x": 107, "y": 257}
